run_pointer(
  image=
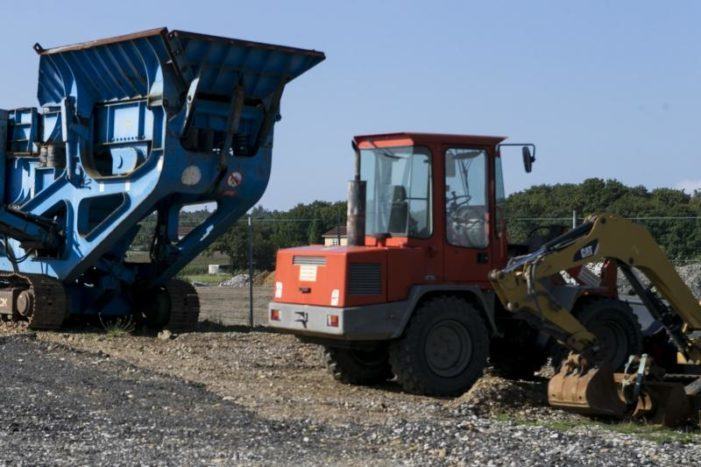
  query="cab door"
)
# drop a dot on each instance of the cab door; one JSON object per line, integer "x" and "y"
{"x": 467, "y": 215}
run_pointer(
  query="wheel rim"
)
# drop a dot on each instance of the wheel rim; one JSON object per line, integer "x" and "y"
{"x": 614, "y": 343}
{"x": 448, "y": 348}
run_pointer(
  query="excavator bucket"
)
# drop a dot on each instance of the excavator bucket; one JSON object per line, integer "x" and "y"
{"x": 590, "y": 392}
{"x": 599, "y": 391}
{"x": 662, "y": 403}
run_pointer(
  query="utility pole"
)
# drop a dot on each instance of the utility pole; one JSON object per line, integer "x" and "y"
{"x": 574, "y": 218}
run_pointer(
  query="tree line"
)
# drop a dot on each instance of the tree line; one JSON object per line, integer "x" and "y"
{"x": 680, "y": 236}
{"x": 304, "y": 224}
{"x": 525, "y": 211}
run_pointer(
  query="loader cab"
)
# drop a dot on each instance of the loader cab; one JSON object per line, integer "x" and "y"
{"x": 440, "y": 193}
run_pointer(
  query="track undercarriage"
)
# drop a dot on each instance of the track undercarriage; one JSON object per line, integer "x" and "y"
{"x": 38, "y": 300}
{"x": 42, "y": 303}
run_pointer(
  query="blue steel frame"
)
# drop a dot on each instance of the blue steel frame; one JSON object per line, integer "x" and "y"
{"x": 149, "y": 122}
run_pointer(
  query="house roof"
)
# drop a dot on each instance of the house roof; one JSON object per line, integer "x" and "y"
{"x": 336, "y": 231}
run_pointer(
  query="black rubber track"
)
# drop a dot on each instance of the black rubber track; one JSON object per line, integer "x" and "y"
{"x": 48, "y": 297}
{"x": 184, "y": 306}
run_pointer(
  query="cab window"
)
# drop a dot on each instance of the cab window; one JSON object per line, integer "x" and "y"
{"x": 466, "y": 197}
{"x": 398, "y": 196}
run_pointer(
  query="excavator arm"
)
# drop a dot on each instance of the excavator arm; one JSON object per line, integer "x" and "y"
{"x": 526, "y": 283}
{"x": 533, "y": 285}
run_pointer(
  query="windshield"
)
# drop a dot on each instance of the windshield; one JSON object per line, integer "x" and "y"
{"x": 398, "y": 198}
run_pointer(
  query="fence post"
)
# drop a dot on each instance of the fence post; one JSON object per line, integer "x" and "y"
{"x": 574, "y": 218}
{"x": 250, "y": 270}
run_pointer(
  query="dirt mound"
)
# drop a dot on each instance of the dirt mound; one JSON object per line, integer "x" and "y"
{"x": 270, "y": 280}
{"x": 492, "y": 395}
{"x": 262, "y": 278}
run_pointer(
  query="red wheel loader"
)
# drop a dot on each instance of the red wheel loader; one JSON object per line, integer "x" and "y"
{"x": 411, "y": 296}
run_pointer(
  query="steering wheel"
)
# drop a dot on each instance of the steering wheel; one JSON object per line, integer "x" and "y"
{"x": 458, "y": 202}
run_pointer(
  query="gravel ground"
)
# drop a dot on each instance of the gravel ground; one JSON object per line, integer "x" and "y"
{"x": 221, "y": 396}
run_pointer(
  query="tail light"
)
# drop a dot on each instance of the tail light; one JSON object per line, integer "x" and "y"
{"x": 332, "y": 321}
{"x": 274, "y": 315}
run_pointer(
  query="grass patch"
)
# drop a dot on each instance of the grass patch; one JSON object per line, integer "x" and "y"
{"x": 656, "y": 433}
{"x": 115, "y": 332}
{"x": 210, "y": 279}
{"x": 118, "y": 327}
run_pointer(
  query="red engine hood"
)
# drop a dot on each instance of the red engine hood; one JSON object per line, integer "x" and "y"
{"x": 343, "y": 276}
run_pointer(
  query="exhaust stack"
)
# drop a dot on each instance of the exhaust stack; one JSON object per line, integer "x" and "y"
{"x": 355, "y": 225}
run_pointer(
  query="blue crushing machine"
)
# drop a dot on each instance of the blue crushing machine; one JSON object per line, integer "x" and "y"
{"x": 129, "y": 127}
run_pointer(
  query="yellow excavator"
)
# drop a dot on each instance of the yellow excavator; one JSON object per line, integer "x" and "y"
{"x": 661, "y": 381}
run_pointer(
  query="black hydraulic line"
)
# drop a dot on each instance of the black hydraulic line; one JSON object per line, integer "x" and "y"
{"x": 566, "y": 238}
{"x": 555, "y": 244}
{"x": 48, "y": 237}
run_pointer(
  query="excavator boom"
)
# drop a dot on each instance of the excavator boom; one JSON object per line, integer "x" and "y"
{"x": 534, "y": 285}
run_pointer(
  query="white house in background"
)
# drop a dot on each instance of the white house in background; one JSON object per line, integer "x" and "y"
{"x": 332, "y": 237}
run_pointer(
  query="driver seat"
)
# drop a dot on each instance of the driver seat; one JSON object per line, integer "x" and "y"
{"x": 399, "y": 210}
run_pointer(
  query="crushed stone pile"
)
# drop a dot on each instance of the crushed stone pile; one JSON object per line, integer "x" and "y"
{"x": 238, "y": 281}
{"x": 690, "y": 274}
{"x": 262, "y": 279}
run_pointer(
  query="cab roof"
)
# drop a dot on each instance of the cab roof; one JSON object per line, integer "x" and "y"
{"x": 416, "y": 138}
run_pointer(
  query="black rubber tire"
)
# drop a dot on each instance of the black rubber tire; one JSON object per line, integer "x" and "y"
{"x": 517, "y": 354}
{"x": 614, "y": 324}
{"x": 358, "y": 366}
{"x": 436, "y": 325}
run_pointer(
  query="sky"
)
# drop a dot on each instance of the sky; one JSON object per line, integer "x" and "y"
{"x": 608, "y": 89}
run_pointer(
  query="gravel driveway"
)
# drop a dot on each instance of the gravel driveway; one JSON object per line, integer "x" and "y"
{"x": 70, "y": 407}
{"x": 208, "y": 398}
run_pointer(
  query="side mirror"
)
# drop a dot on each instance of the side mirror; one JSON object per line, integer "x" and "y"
{"x": 527, "y": 151}
{"x": 528, "y": 159}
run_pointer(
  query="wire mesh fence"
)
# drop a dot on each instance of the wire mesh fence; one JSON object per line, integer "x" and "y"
{"x": 246, "y": 257}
